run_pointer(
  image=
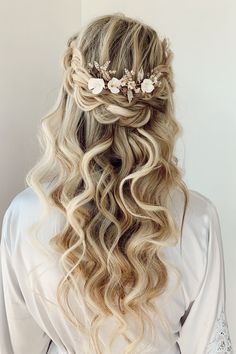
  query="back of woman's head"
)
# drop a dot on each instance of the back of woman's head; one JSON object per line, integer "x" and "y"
{"x": 111, "y": 168}
{"x": 129, "y": 44}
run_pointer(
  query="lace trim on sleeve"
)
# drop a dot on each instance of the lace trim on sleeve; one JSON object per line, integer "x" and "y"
{"x": 221, "y": 342}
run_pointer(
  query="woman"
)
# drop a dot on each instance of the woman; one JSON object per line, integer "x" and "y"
{"x": 107, "y": 250}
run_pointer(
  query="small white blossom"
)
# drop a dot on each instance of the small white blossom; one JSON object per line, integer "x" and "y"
{"x": 96, "y": 85}
{"x": 147, "y": 85}
{"x": 114, "y": 85}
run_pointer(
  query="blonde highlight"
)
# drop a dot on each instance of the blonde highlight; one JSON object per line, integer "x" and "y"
{"x": 112, "y": 170}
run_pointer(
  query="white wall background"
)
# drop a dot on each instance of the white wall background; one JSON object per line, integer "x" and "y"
{"x": 33, "y": 35}
{"x": 202, "y": 33}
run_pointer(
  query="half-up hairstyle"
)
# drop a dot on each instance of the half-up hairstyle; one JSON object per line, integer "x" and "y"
{"x": 110, "y": 168}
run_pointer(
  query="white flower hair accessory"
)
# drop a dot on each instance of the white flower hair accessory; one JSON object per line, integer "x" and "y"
{"x": 101, "y": 79}
{"x": 96, "y": 85}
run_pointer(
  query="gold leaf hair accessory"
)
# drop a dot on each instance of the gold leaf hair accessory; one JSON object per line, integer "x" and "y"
{"x": 102, "y": 80}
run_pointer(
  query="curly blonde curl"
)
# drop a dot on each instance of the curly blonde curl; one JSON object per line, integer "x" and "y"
{"x": 111, "y": 170}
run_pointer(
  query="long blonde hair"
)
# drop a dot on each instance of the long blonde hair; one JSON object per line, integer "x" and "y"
{"x": 111, "y": 170}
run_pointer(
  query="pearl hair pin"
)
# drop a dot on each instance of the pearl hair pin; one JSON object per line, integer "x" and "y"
{"x": 102, "y": 79}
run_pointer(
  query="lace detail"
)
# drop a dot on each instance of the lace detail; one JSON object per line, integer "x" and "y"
{"x": 221, "y": 342}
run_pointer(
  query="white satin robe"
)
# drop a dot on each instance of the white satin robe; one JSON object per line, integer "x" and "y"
{"x": 31, "y": 322}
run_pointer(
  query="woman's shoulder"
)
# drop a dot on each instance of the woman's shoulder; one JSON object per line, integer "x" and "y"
{"x": 200, "y": 199}
{"x": 23, "y": 210}
{"x": 26, "y": 205}
{"x": 24, "y": 198}
{"x": 26, "y": 202}
{"x": 22, "y": 206}
{"x": 199, "y": 231}
{"x": 199, "y": 207}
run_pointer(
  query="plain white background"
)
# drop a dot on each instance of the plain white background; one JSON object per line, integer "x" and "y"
{"x": 202, "y": 34}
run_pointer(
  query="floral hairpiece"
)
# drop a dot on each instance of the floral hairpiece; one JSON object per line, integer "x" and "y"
{"x": 126, "y": 84}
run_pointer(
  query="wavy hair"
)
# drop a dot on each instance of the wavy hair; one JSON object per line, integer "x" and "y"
{"x": 111, "y": 170}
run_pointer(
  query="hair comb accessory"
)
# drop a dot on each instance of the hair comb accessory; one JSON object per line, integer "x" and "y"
{"x": 101, "y": 79}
